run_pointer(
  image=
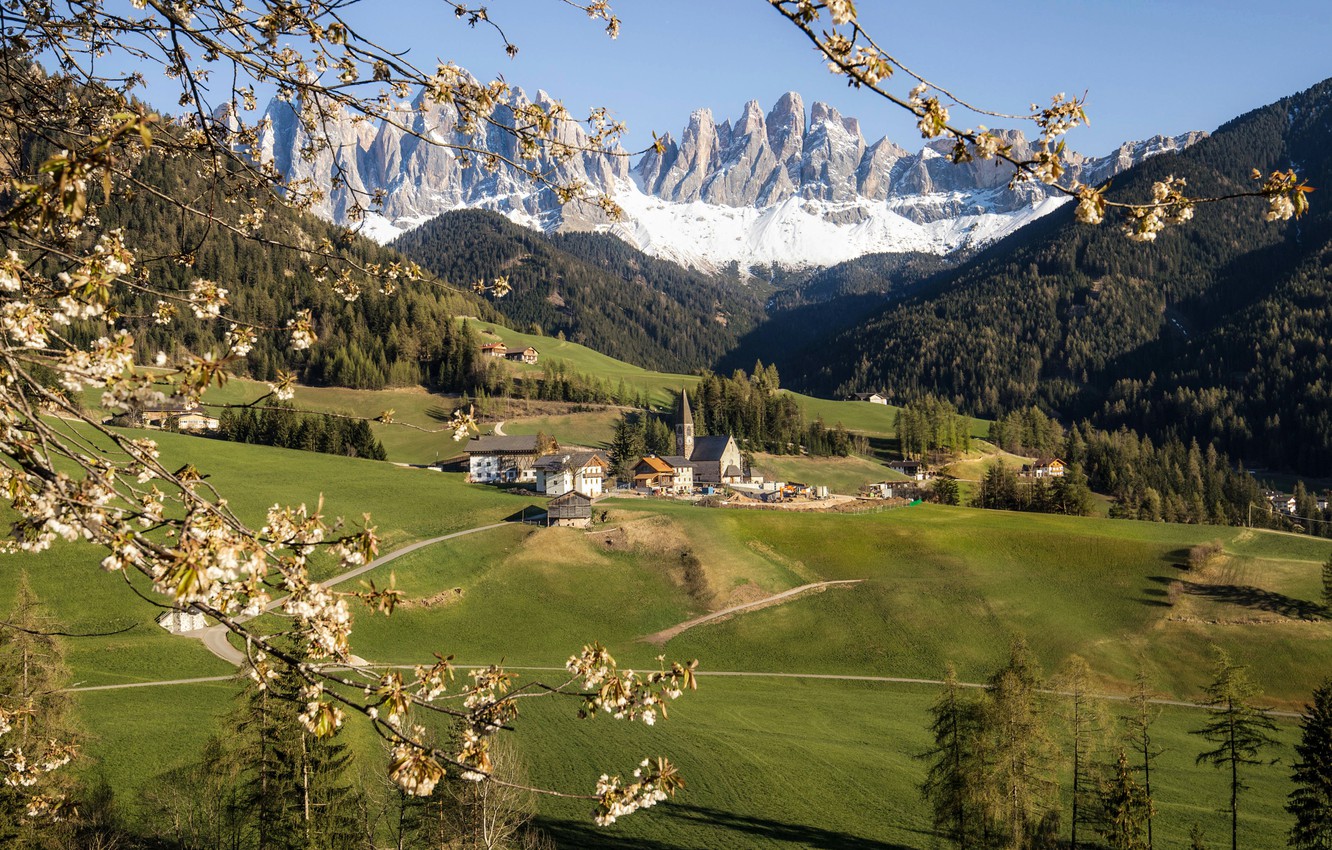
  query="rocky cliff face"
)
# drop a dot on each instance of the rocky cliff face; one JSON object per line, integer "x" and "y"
{"x": 775, "y": 187}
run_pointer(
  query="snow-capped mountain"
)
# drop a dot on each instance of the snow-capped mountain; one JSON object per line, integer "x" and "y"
{"x": 787, "y": 187}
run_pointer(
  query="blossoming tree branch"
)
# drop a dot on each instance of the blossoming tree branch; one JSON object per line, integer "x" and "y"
{"x": 853, "y": 52}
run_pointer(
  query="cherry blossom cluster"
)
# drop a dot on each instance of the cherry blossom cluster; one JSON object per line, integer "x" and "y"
{"x": 653, "y": 782}
{"x": 72, "y": 290}
{"x": 626, "y": 694}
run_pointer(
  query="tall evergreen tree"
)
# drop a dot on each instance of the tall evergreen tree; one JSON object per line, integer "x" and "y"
{"x": 296, "y": 787}
{"x": 1139, "y": 722}
{"x": 1327, "y": 584}
{"x": 1124, "y": 808}
{"x": 1311, "y": 801}
{"x": 1239, "y": 730}
{"x": 951, "y": 786}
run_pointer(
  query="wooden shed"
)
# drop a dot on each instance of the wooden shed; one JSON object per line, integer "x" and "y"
{"x": 573, "y": 510}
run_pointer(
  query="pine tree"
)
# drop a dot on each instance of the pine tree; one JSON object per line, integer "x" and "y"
{"x": 1327, "y": 584}
{"x": 1311, "y": 801}
{"x": 296, "y": 787}
{"x": 946, "y": 491}
{"x": 1124, "y": 808}
{"x": 1238, "y": 729}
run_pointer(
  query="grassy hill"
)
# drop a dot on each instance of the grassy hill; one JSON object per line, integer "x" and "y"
{"x": 771, "y": 761}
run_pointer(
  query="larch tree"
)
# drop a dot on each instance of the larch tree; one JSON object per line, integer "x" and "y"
{"x": 1239, "y": 730}
{"x": 35, "y": 718}
{"x": 1020, "y": 790}
{"x": 1086, "y": 722}
{"x": 1139, "y": 722}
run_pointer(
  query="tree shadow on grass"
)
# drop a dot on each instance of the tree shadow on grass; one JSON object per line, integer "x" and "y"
{"x": 1157, "y": 597}
{"x": 730, "y": 830}
{"x": 1258, "y": 599}
{"x": 1243, "y": 595}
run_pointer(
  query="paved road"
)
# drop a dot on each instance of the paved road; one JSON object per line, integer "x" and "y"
{"x": 215, "y": 637}
{"x": 664, "y": 635}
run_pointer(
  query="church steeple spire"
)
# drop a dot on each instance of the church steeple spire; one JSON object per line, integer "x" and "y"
{"x": 684, "y": 427}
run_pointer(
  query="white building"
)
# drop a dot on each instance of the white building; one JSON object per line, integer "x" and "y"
{"x": 494, "y": 460}
{"x": 580, "y": 472}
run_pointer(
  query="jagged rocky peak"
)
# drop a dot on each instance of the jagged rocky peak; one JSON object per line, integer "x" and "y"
{"x": 421, "y": 172}
{"x": 791, "y": 186}
{"x": 786, "y": 127}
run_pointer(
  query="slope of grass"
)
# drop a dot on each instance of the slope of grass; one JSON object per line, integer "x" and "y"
{"x": 130, "y": 646}
{"x": 770, "y": 762}
{"x": 806, "y": 764}
{"x": 840, "y": 474}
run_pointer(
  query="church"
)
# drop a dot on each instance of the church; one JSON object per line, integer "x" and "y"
{"x": 716, "y": 460}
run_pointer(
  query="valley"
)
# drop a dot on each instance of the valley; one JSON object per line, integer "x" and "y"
{"x": 937, "y": 584}
{"x": 396, "y": 455}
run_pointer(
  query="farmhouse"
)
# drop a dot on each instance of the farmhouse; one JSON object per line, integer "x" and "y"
{"x": 672, "y": 473}
{"x": 522, "y": 355}
{"x": 581, "y": 472}
{"x": 1046, "y": 467}
{"x": 196, "y": 421}
{"x": 179, "y": 620}
{"x": 494, "y": 349}
{"x": 912, "y": 468}
{"x": 172, "y": 413}
{"x": 715, "y": 460}
{"x": 572, "y": 510}
{"x": 872, "y": 398}
{"x": 492, "y": 460}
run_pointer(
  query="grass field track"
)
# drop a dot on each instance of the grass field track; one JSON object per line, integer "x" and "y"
{"x": 660, "y": 638}
{"x": 217, "y": 638}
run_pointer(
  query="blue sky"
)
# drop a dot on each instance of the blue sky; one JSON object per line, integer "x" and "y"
{"x": 1148, "y": 66}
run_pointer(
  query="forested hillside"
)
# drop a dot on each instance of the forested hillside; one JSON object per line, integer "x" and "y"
{"x": 1218, "y": 330}
{"x": 377, "y": 340}
{"x": 593, "y": 288}
{"x": 802, "y": 315}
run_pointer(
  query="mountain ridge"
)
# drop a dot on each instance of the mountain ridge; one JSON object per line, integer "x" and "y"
{"x": 791, "y": 186}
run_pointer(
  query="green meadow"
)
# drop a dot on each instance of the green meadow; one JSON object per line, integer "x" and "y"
{"x": 769, "y": 760}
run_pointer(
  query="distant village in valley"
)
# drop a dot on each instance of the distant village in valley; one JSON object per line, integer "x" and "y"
{"x": 712, "y": 469}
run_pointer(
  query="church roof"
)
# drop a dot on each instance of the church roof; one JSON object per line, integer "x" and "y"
{"x": 684, "y": 416}
{"x": 709, "y": 448}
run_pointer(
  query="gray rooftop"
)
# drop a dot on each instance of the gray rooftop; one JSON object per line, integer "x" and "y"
{"x": 518, "y": 444}
{"x": 709, "y": 448}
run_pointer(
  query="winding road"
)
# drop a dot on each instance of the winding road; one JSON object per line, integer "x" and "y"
{"x": 215, "y": 637}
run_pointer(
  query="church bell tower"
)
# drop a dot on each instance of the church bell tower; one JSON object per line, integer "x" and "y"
{"x": 684, "y": 428}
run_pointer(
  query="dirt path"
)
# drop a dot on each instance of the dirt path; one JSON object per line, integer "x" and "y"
{"x": 499, "y": 429}
{"x": 664, "y": 635}
{"x": 215, "y": 637}
{"x": 703, "y": 674}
